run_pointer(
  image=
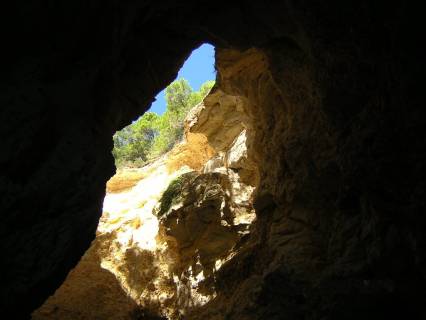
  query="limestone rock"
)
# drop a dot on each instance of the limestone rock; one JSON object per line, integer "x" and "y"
{"x": 201, "y": 218}
{"x": 206, "y": 220}
{"x": 200, "y": 226}
{"x": 219, "y": 117}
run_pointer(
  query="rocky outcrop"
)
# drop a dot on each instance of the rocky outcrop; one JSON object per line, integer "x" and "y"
{"x": 164, "y": 253}
{"x": 334, "y": 98}
{"x": 205, "y": 223}
{"x": 224, "y": 120}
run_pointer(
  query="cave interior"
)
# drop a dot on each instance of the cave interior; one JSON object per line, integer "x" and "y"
{"x": 334, "y": 94}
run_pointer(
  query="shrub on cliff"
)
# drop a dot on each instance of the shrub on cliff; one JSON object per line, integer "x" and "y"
{"x": 174, "y": 192}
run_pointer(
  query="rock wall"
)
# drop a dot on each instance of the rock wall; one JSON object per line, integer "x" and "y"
{"x": 330, "y": 231}
{"x": 334, "y": 95}
{"x": 158, "y": 253}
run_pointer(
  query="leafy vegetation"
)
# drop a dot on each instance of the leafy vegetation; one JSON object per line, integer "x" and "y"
{"x": 152, "y": 135}
{"x": 173, "y": 193}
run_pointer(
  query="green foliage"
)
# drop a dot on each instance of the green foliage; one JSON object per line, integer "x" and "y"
{"x": 206, "y": 87}
{"x": 170, "y": 195}
{"x": 173, "y": 193}
{"x": 132, "y": 144}
{"x": 153, "y": 135}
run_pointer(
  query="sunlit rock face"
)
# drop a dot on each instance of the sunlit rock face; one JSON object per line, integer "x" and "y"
{"x": 334, "y": 99}
{"x": 207, "y": 221}
{"x": 225, "y": 121}
{"x": 120, "y": 276}
{"x": 164, "y": 248}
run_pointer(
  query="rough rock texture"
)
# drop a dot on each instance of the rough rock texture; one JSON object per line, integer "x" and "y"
{"x": 206, "y": 222}
{"x": 335, "y": 95}
{"x": 162, "y": 249}
{"x": 222, "y": 118}
{"x": 325, "y": 249}
{"x": 89, "y": 292}
{"x": 205, "y": 218}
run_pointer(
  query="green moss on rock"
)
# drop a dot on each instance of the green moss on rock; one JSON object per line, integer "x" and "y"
{"x": 173, "y": 193}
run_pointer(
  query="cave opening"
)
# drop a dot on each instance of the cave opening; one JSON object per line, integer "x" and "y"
{"x": 162, "y": 126}
{"x": 173, "y": 211}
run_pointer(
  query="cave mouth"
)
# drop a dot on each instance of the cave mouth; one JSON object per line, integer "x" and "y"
{"x": 142, "y": 257}
{"x": 144, "y": 168}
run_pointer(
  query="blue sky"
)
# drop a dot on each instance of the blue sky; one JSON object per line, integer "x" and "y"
{"x": 197, "y": 69}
